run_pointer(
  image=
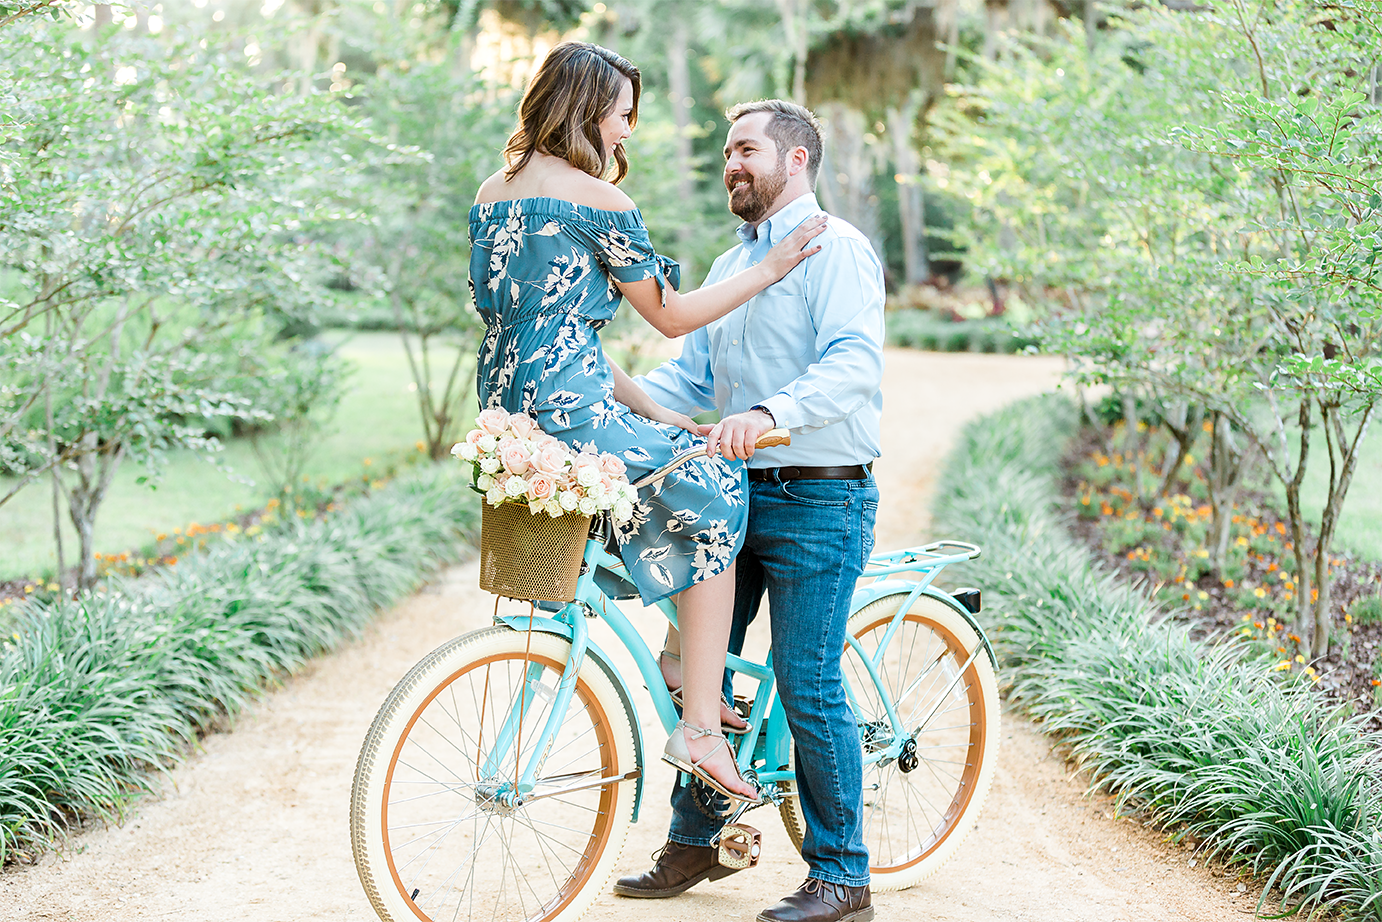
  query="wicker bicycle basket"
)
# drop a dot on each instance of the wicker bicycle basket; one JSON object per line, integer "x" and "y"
{"x": 526, "y": 556}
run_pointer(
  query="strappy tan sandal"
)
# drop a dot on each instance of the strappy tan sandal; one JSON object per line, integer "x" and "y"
{"x": 728, "y": 705}
{"x": 676, "y": 754}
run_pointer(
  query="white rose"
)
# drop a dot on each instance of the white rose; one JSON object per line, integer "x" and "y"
{"x": 465, "y": 451}
{"x": 495, "y": 495}
{"x": 629, "y": 492}
{"x": 596, "y": 492}
{"x": 487, "y": 444}
{"x": 568, "y": 499}
{"x": 554, "y": 508}
{"x": 516, "y": 486}
{"x": 588, "y": 475}
{"x": 623, "y": 510}
{"x": 484, "y": 482}
{"x": 588, "y": 506}
{"x": 489, "y": 465}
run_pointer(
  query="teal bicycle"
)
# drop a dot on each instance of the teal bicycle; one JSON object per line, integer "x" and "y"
{"x": 500, "y": 776}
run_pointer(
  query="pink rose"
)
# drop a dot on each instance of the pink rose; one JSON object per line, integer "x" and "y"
{"x": 523, "y": 426}
{"x": 494, "y": 421}
{"x": 515, "y": 458}
{"x": 474, "y": 436}
{"x": 612, "y": 465}
{"x": 542, "y": 486}
{"x": 551, "y": 457}
{"x": 508, "y": 441}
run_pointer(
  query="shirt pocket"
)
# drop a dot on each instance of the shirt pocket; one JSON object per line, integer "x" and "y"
{"x": 780, "y": 327}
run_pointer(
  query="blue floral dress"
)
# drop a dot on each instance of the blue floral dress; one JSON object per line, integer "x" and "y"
{"x": 542, "y": 274}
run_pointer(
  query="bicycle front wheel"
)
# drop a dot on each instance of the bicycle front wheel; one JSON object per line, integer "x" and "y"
{"x": 437, "y": 826}
{"x": 918, "y": 808}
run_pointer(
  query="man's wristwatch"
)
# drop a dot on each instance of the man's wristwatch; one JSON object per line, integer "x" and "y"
{"x": 760, "y": 406}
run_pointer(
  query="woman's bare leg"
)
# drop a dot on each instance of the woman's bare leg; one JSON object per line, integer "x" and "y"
{"x": 670, "y": 664}
{"x": 704, "y": 612}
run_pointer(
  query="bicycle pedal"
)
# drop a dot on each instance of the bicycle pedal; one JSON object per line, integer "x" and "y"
{"x": 740, "y": 845}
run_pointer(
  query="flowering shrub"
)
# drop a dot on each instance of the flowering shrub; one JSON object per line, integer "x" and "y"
{"x": 516, "y": 462}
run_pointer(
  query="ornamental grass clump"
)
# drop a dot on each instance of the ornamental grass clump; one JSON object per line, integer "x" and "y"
{"x": 99, "y": 693}
{"x": 1205, "y": 739}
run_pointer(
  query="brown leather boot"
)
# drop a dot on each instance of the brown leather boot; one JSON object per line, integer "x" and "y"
{"x": 676, "y": 869}
{"x": 818, "y": 901}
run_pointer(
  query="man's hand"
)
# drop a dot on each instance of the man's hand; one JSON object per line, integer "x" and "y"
{"x": 734, "y": 436}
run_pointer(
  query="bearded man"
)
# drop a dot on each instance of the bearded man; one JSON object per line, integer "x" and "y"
{"x": 806, "y": 355}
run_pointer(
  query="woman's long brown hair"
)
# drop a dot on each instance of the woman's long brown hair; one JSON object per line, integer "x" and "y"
{"x": 577, "y": 85}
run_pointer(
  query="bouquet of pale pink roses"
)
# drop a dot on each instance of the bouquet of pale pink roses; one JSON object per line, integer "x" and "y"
{"x": 516, "y": 462}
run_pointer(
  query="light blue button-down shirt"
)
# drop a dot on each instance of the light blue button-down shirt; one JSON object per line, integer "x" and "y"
{"x": 808, "y": 348}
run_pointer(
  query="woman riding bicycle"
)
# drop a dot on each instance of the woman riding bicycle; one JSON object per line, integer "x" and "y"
{"x": 555, "y": 248}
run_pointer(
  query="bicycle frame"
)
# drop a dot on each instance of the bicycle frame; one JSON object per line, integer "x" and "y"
{"x": 767, "y": 739}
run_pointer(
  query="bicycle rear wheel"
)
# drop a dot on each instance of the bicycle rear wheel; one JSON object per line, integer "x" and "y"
{"x": 433, "y": 828}
{"x": 919, "y": 808}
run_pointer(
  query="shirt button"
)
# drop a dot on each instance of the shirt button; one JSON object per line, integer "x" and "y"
{"x": 734, "y": 342}
{"x": 736, "y": 383}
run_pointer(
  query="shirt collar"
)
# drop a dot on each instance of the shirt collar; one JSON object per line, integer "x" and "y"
{"x": 782, "y": 223}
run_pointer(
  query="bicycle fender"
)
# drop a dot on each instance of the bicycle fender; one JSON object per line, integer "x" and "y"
{"x": 886, "y": 587}
{"x": 551, "y": 626}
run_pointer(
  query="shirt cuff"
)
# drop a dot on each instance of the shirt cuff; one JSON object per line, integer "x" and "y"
{"x": 782, "y": 408}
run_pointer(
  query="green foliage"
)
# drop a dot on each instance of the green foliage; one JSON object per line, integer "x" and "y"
{"x": 412, "y": 256}
{"x": 1205, "y": 740}
{"x": 156, "y": 215}
{"x": 374, "y": 424}
{"x": 301, "y": 393}
{"x": 1195, "y": 198}
{"x": 1368, "y": 611}
{"x": 921, "y": 329}
{"x": 97, "y": 693}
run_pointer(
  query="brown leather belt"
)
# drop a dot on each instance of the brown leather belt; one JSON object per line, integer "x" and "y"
{"x": 850, "y": 472}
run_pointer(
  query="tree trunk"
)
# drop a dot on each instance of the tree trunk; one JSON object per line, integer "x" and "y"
{"x": 1338, "y": 489}
{"x": 996, "y": 20}
{"x": 679, "y": 81}
{"x": 911, "y": 205}
{"x": 1184, "y": 431}
{"x": 96, "y": 467}
{"x": 1304, "y": 621}
{"x": 53, "y": 447}
{"x": 793, "y": 13}
{"x": 846, "y": 180}
{"x": 1228, "y": 465}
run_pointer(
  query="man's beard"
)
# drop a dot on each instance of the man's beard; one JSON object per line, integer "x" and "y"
{"x": 751, "y": 202}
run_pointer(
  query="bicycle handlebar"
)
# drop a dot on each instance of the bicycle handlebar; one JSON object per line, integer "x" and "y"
{"x": 773, "y": 438}
{"x": 770, "y": 439}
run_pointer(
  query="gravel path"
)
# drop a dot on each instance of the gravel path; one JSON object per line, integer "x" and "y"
{"x": 253, "y": 828}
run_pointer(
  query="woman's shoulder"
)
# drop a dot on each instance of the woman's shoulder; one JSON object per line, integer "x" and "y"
{"x": 561, "y": 182}
{"x": 584, "y": 189}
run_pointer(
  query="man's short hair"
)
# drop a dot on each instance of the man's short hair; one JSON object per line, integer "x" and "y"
{"x": 791, "y": 126}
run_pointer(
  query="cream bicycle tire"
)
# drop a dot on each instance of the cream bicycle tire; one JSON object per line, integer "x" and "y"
{"x": 915, "y": 820}
{"x": 430, "y": 838}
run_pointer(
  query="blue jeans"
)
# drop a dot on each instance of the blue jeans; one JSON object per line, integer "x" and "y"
{"x": 806, "y": 544}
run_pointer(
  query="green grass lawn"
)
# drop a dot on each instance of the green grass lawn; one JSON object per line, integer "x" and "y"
{"x": 378, "y": 417}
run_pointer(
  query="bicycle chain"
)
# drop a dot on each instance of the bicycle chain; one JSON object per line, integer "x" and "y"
{"x": 710, "y": 802}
